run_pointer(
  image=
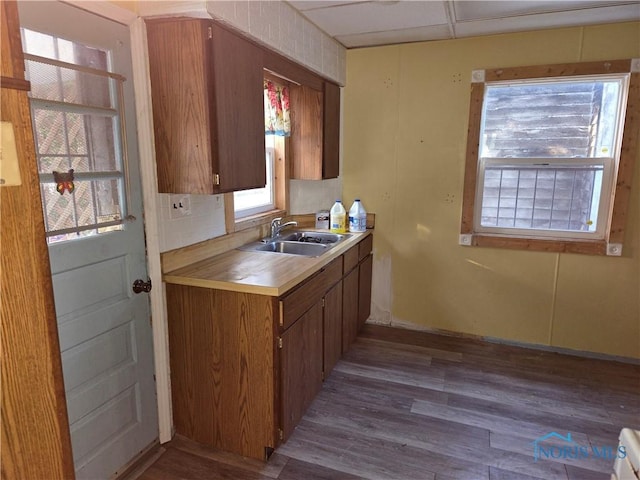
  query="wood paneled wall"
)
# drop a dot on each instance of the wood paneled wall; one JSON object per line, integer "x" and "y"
{"x": 35, "y": 429}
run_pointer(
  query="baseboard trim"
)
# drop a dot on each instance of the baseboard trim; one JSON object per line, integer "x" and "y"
{"x": 563, "y": 351}
{"x": 512, "y": 343}
{"x": 137, "y": 465}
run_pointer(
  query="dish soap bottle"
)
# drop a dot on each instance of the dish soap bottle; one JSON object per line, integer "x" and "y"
{"x": 357, "y": 217}
{"x": 338, "y": 218}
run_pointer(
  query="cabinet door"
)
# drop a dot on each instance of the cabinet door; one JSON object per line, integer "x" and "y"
{"x": 331, "y": 131}
{"x": 208, "y": 107}
{"x": 178, "y": 53}
{"x": 306, "y": 133}
{"x": 332, "y": 328}
{"x": 315, "y": 132}
{"x": 238, "y": 103}
{"x": 222, "y": 368}
{"x": 364, "y": 285}
{"x": 301, "y": 366}
{"x": 294, "y": 304}
{"x": 350, "y": 293}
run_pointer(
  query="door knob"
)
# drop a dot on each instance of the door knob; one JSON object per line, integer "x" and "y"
{"x": 140, "y": 286}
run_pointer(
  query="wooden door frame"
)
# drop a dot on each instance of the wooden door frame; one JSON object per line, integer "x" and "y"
{"x": 148, "y": 173}
{"x": 36, "y": 440}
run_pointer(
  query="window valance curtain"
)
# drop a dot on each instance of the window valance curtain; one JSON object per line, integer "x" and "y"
{"x": 277, "y": 120}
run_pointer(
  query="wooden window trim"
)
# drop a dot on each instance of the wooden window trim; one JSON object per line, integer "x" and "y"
{"x": 281, "y": 166}
{"x": 624, "y": 176}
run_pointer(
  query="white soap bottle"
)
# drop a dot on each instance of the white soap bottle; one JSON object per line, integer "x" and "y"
{"x": 357, "y": 217}
{"x": 338, "y": 218}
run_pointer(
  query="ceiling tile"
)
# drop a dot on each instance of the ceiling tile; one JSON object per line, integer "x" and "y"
{"x": 377, "y": 16}
{"x": 359, "y": 23}
{"x": 473, "y": 10}
{"x": 549, "y": 20}
{"x": 303, "y": 5}
{"x": 418, "y": 34}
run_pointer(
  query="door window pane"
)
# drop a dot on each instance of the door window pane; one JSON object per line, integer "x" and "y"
{"x": 76, "y": 118}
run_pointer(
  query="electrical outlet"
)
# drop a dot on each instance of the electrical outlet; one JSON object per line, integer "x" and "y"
{"x": 179, "y": 206}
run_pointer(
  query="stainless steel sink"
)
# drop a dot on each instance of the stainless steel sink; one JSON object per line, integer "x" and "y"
{"x": 306, "y": 243}
{"x": 313, "y": 237}
{"x": 294, "y": 248}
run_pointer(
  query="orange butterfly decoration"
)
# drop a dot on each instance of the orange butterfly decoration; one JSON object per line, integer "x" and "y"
{"x": 64, "y": 181}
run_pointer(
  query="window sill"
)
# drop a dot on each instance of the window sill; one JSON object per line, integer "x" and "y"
{"x": 589, "y": 247}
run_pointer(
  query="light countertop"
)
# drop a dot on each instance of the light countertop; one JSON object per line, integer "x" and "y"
{"x": 263, "y": 273}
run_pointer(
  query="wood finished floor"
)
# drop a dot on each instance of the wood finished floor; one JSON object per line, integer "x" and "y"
{"x": 415, "y": 406}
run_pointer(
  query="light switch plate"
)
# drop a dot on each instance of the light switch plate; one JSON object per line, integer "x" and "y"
{"x": 9, "y": 166}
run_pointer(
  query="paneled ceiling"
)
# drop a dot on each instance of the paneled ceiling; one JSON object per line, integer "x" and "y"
{"x": 367, "y": 23}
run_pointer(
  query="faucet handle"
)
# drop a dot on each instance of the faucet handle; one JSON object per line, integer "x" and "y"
{"x": 276, "y": 222}
{"x": 275, "y": 227}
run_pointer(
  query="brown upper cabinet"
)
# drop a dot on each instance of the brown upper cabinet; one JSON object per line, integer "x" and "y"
{"x": 208, "y": 111}
{"x": 315, "y": 132}
{"x": 331, "y": 125}
{"x": 315, "y": 120}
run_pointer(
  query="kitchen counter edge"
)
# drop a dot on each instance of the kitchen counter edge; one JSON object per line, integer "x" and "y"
{"x": 278, "y": 273}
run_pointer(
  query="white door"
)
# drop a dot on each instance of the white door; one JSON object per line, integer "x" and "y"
{"x": 84, "y": 119}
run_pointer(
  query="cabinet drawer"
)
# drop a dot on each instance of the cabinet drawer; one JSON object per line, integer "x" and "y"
{"x": 351, "y": 258}
{"x": 293, "y": 305}
{"x": 365, "y": 247}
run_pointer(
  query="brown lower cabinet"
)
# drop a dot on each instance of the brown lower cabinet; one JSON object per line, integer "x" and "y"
{"x": 350, "y": 289}
{"x": 245, "y": 367}
{"x": 356, "y": 288}
{"x": 332, "y": 328}
{"x": 301, "y": 366}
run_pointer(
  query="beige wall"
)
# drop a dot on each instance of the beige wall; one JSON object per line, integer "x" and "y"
{"x": 405, "y": 122}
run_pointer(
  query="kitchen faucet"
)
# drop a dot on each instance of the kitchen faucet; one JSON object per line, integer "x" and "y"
{"x": 277, "y": 226}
